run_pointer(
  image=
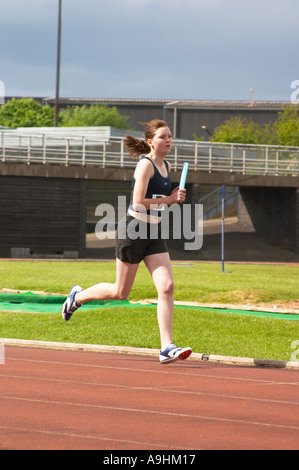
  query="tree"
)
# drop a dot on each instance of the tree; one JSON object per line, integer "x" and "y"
{"x": 287, "y": 126}
{"x": 94, "y": 115}
{"x": 238, "y": 130}
{"x": 284, "y": 131}
{"x": 25, "y": 112}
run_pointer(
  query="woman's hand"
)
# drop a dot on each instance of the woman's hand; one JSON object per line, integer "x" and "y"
{"x": 177, "y": 195}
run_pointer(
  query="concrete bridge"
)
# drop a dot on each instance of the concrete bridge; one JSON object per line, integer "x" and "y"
{"x": 45, "y": 176}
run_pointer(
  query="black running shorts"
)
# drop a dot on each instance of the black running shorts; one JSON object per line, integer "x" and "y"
{"x": 136, "y": 239}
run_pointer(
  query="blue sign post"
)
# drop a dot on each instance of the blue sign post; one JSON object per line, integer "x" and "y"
{"x": 222, "y": 233}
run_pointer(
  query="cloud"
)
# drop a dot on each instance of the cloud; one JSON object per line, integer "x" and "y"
{"x": 23, "y": 80}
{"x": 151, "y": 48}
{"x": 27, "y": 12}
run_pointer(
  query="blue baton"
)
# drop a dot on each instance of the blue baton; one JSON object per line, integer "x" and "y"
{"x": 184, "y": 175}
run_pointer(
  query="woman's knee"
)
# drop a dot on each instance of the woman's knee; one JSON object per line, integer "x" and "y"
{"x": 121, "y": 293}
{"x": 166, "y": 287}
{"x": 122, "y": 296}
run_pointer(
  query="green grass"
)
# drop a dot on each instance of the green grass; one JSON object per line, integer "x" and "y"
{"x": 207, "y": 332}
{"x": 202, "y": 282}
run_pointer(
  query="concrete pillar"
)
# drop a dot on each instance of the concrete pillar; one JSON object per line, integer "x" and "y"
{"x": 273, "y": 213}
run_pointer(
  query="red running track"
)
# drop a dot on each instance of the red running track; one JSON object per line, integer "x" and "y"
{"x": 54, "y": 399}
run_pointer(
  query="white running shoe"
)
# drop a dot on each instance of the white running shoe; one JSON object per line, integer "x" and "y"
{"x": 173, "y": 353}
{"x": 70, "y": 305}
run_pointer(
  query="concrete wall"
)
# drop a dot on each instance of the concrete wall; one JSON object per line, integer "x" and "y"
{"x": 42, "y": 217}
{"x": 272, "y": 212}
{"x": 43, "y": 208}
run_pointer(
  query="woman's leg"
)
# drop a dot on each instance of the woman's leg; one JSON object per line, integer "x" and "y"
{"x": 125, "y": 275}
{"x": 159, "y": 267}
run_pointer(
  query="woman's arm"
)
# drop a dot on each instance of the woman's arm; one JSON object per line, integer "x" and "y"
{"x": 144, "y": 171}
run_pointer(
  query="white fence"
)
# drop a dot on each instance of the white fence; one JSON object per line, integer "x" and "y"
{"x": 96, "y": 150}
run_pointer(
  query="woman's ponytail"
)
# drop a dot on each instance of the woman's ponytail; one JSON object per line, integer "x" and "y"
{"x": 136, "y": 147}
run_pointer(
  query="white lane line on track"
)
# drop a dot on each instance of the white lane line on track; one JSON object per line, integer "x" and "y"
{"x": 173, "y": 371}
{"x": 153, "y": 412}
{"x": 149, "y": 445}
{"x": 152, "y": 389}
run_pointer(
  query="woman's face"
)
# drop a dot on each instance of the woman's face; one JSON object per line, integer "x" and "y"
{"x": 161, "y": 142}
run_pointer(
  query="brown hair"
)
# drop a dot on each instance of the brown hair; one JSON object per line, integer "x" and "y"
{"x": 136, "y": 147}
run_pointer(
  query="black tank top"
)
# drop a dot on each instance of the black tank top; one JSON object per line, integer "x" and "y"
{"x": 158, "y": 186}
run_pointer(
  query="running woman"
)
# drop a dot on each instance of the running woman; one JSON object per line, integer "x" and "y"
{"x": 151, "y": 180}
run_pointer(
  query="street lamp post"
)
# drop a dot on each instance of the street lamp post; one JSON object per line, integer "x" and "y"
{"x": 58, "y": 65}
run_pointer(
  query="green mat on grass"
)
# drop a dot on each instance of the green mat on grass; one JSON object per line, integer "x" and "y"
{"x": 30, "y": 302}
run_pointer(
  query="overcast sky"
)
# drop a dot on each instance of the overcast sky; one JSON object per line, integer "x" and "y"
{"x": 165, "y": 49}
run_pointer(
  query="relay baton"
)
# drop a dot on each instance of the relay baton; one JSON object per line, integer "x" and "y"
{"x": 184, "y": 175}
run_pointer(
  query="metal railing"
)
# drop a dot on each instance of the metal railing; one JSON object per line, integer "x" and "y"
{"x": 88, "y": 149}
{"x": 212, "y": 202}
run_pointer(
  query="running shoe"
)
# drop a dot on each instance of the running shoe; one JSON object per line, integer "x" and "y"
{"x": 70, "y": 305}
{"x": 173, "y": 353}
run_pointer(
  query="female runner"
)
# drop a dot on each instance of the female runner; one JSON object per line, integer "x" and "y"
{"x": 139, "y": 236}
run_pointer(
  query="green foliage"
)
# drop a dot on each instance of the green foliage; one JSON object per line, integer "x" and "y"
{"x": 238, "y": 130}
{"x": 94, "y": 115}
{"x": 287, "y": 126}
{"x": 284, "y": 131}
{"x": 25, "y": 112}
